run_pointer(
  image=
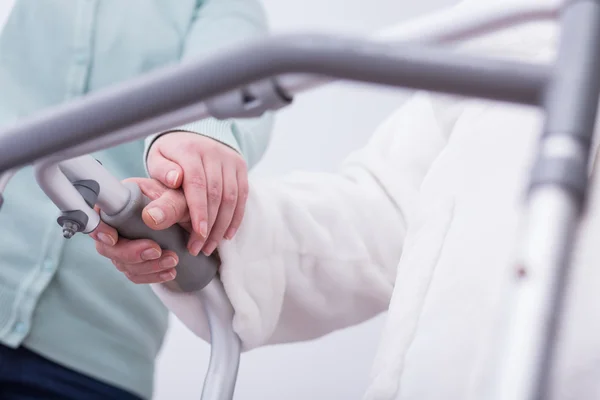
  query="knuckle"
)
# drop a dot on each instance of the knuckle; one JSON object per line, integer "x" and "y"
{"x": 197, "y": 181}
{"x": 190, "y": 147}
{"x": 172, "y": 205}
{"x": 153, "y": 194}
{"x": 231, "y": 196}
{"x": 133, "y": 278}
{"x": 214, "y": 193}
{"x": 129, "y": 256}
{"x": 243, "y": 192}
{"x": 101, "y": 249}
{"x": 155, "y": 267}
{"x": 122, "y": 267}
{"x": 118, "y": 265}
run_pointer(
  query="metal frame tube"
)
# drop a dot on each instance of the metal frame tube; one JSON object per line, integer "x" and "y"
{"x": 394, "y": 65}
{"x": 221, "y": 376}
{"x": 113, "y": 196}
{"x": 455, "y": 24}
{"x": 74, "y": 165}
{"x": 450, "y": 25}
{"x": 56, "y": 181}
{"x": 551, "y": 225}
{"x": 558, "y": 188}
{"x": 471, "y": 20}
{"x": 137, "y": 131}
{"x": 62, "y": 192}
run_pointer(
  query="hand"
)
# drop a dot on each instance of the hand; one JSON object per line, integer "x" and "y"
{"x": 143, "y": 261}
{"x": 214, "y": 178}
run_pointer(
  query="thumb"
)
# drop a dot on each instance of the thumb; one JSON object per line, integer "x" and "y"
{"x": 166, "y": 210}
{"x": 164, "y": 170}
{"x": 167, "y": 206}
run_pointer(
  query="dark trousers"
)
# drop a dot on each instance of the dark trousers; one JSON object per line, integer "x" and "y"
{"x": 24, "y": 375}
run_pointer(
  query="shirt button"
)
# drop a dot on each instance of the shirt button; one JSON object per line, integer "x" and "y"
{"x": 20, "y": 327}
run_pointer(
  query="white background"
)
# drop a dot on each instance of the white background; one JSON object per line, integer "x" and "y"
{"x": 315, "y": 133}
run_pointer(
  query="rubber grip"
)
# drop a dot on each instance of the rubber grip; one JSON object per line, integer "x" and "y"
{"x": 193, "y": 273}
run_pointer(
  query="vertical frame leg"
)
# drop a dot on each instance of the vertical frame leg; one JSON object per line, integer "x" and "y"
{"x": 554, "y": 205}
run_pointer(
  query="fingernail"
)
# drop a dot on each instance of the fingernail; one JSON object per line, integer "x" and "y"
{"x": 168, "y": 262}
{"x": 168, "y": 275}
{"x": 172, "y": 177}
{"x": 106, "y": 239}
{"x": 230, "y": 233}
{"x": 196, "y": 247}
{"x": 203, "y": 229}
{"x": 209, "y": 248}
{"x": 157, "y": 215}
{"x": 150, "y": 254}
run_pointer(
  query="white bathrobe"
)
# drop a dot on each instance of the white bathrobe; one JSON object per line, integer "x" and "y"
{"x": 421, "y": 222}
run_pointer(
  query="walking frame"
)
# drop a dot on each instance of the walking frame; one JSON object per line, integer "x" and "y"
{"x": 266, "y": 75}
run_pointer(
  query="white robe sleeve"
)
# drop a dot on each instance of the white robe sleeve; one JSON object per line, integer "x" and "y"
{"x": 318, "y": 252}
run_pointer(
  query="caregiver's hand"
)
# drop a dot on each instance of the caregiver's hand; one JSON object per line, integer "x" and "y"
{"x": 214, "y": 178}
{"x": 143, "y": 261}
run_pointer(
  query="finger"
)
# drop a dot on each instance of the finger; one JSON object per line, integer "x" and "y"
{"x": 187, "y": 226}
{"x": 238, "y": 215}
{"x": 168, "y": 209}
{"x": 213, "y": 170}
{"x": 152, "y": 188}
{"x": 212, "y": 196}
{"x": 226, "y": 210}
{"x": 166, "y": 262}
{"x": 194, "y": 188}
{"x": 161, "y": 168}
{"x": 158, "y": 277}
{"x": 105, "y": 234}
{"x": 194, "y": 183}
{"x": 130, "y": 251}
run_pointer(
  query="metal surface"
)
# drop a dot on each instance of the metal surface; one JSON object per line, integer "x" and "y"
{"x": 452, "y": 25}
{"x": 63, "y": 194}
{"x": 113, "y": 196}
{"x": 470, "y": 20}
{"x": 358, "y": 60}
{"x": 550, "y": 227}
{"x": 559, "y": 183}
{"x": 222, "y": 371}
{"x": 193, "y": 272}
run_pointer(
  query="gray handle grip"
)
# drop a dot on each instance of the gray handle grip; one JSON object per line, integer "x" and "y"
{"x": 193, "y": 273}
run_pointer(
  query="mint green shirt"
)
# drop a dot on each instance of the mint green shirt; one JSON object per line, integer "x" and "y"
{"x": 59, "y": 297}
